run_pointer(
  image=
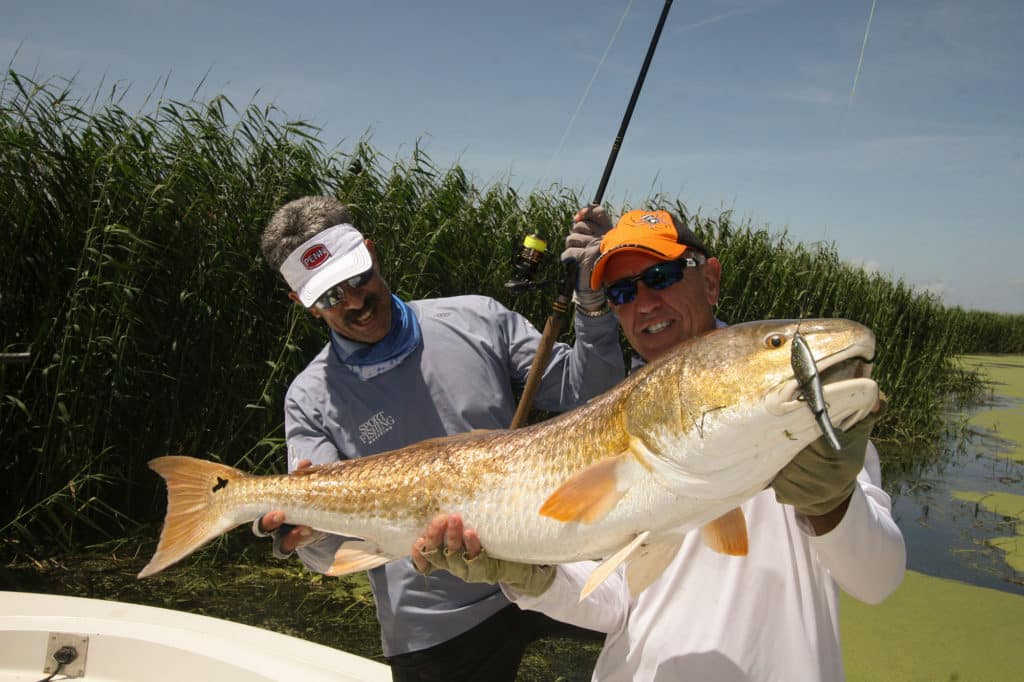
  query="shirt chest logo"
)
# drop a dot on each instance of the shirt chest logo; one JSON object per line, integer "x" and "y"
{"x": 376, "y": 426}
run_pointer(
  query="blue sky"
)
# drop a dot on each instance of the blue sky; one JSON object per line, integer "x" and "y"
{"x": 749, "y": 104}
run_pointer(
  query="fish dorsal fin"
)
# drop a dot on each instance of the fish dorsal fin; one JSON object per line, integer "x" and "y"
{"x": 727, "y": 534}
{"x": 650, "y": 562}
{"x": 609, "y": 565}
{"x": 440, "y": 441}
{"x": 590, "y": 494}
{"x": 313, "y": 469}
{"x": 356, "y": 556}
{"x": 430, "y": 443}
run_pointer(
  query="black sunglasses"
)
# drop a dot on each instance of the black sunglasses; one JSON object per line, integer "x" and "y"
{"x": 656, "y": 277}
{"x": 336, "y": 294}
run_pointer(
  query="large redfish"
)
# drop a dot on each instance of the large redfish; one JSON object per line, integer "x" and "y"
{"x": 678, "y": 445}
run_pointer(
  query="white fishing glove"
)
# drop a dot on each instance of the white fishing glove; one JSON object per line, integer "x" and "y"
{"x": 583, "y": 245}
{"x": 819, "y": 478}
{"x": 529, "y": 579}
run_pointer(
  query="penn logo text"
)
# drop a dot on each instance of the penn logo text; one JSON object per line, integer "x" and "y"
{"x": 315, "y": 256}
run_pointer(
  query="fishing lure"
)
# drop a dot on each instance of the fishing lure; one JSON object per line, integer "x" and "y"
{"x": 806, "y": 373}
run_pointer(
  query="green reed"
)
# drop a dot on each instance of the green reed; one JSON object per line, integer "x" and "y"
{"x": 134, "y": 279}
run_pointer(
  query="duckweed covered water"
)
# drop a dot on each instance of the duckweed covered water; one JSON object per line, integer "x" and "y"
{"x": 955, "y": 512}
{"x": 1011, "y": 509}
{"x": 934, "y": 630}
{"x": 960, "y": 614}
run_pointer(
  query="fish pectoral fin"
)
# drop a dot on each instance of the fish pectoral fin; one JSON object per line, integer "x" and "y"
{"x": 609, "y": 565}
{"x": 650, "y": 562}
{"x": 590, "y": 494}
{"x": 727, "y": 534}
{"x": 356, "y": 556}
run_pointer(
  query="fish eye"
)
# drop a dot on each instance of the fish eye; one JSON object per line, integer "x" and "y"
{"x": 775, "y": 341}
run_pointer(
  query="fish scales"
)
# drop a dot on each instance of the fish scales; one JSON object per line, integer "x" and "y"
{"x": 468, "y": 473}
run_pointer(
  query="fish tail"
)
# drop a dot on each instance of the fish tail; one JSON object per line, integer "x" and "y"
{"x": 196, "y": 508}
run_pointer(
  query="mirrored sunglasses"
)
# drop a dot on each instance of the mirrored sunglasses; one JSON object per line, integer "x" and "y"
{"x": 336, "y": 294}
{"x": 656, "y": 277}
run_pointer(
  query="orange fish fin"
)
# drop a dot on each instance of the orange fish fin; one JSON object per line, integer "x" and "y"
{"x": 315, "y": 468}
{"x": 608, "y": 566}
{"x": 650, "y": 562}
{"x": 727, "y": 534}
{"x": 589, "y": 495}
{"x": 353, "y": 557}
{"x": 194, "y": 516}
{"x": 443, "y": 441}
{"x": 438, "y": 443}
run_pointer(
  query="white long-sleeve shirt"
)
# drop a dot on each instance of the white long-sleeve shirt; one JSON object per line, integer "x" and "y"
{"x": 770, "y": 615}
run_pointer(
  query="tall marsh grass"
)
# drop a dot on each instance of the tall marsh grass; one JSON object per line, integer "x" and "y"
{"x": 133, "y": 277}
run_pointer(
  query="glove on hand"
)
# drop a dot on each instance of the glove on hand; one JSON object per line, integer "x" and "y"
{"x": 529, "y": 579}
{"x": 583, "y": 245}
{"x": 819, "y": 478}
{"x": 279, "y": 533}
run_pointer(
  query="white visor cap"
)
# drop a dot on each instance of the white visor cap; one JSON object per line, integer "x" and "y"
{"x": 331, "y": 256}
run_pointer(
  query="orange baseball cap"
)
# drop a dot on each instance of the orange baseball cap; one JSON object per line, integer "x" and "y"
{"x": 657, "y": 233}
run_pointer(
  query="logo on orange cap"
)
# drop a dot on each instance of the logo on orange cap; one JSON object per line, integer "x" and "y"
{"x": 652, "y": 232}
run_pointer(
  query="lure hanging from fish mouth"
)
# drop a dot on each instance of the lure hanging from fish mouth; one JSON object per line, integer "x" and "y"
{"x": 806, "y": 373}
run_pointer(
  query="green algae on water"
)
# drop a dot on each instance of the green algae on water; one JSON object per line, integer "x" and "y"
{"x": 933, "y": 629}
{"x": 1007, "y": 505}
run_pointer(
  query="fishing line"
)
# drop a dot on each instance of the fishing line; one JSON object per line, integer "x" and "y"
{"x": 860, "y": 61}
{"x": 560, "y": 308}
{"x": 586, "y": 91}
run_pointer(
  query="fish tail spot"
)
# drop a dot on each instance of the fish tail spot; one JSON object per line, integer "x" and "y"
{"x": 194, "y": 515}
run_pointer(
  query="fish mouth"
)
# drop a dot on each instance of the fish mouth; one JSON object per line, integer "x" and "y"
{"x": 846, "y": 371}
{"x": 857, "y": 367}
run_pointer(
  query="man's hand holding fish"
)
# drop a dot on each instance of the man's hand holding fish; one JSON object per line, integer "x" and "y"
{"x": 448, "y": 546}
{"x": 287, "y": 538}
{"x": 819, "y": 482}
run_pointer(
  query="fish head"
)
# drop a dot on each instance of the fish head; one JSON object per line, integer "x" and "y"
{"x": 725, "y": 410}
{"x": 841, "y": 355}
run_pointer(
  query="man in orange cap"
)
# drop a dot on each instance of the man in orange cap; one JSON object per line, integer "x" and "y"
{"x": 654, "y": 249}
{"x": 825, "y": 523}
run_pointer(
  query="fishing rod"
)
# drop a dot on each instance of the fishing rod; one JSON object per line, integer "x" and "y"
{"x": 632, "y": 104}
{"x": 560, "y": 306}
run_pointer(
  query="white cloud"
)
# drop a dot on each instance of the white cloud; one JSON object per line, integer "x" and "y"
{"x": 937, "y": 287}
{"x": 869, "y": 266}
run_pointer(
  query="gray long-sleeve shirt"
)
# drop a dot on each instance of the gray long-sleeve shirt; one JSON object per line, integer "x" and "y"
{"x": 474, "y": 352}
